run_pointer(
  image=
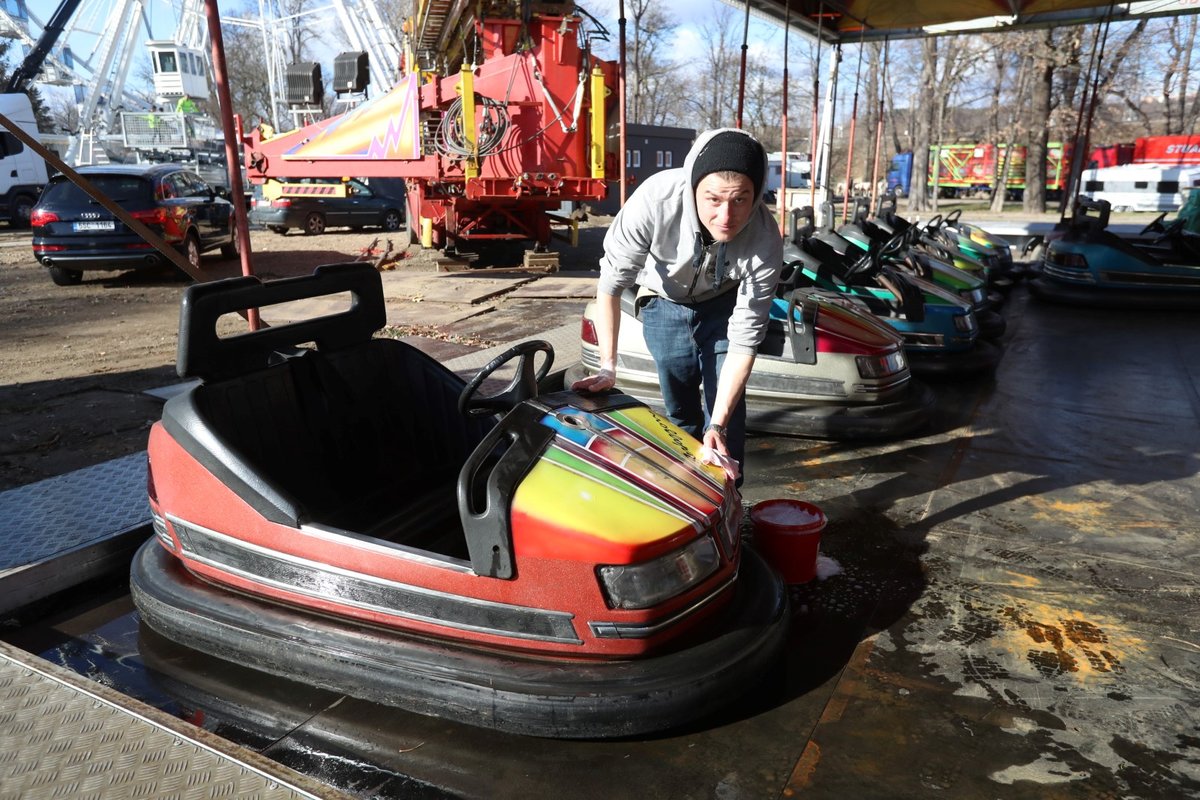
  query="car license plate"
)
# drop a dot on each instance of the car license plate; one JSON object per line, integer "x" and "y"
{"x": 94, "y": 225}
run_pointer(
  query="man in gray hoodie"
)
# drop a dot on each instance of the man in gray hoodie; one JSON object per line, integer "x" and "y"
{"x": 705, "y": 253}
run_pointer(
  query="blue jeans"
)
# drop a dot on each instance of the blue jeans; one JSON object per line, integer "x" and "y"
{"x": 689, "y": 343}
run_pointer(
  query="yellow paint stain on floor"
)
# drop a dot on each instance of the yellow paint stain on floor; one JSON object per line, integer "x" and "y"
{"x": 1067, "y": 643}
{"x": 1022, "y": 581}
{"x": 1144, "y": 524}
{"x": 1083, "y": 514}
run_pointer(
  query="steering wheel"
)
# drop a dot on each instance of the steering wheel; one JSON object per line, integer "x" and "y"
{"x": 952, "y": 217}
{"x": 866, "y": 265}
{"x": 894, "y": 246}
{"x": 1172, "y": 229}
{"x": 934, "y": 223}
{"x": 523, "y": 386}
{"x": 1156, "y": 226}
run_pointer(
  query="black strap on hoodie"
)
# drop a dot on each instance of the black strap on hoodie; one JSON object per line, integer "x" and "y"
{"x": 698, "y": 262}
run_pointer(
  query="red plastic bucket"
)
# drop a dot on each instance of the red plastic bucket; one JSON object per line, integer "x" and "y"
{"x": 788, "y": 534}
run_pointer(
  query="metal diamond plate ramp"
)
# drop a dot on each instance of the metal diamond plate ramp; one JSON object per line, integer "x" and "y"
{"x": 67, "y": 529}
{"x": 62, "y": 736}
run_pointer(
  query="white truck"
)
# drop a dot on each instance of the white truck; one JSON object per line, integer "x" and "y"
{"x": 22, "y": 171}
{"x": 1142, "y": 187}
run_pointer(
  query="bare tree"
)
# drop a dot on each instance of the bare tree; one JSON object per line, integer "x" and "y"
{"x": 941, "y": 76}
{"x": 1011, "y": 133}
{"x": 300, "y": 29}
{"x": 712, "y": 99}
{"x": 64, "y": 114}
{"x": 1038, "y": 121}
{"x": 764, "y": 99}
{"x": 650, "y": 75}
{"x": 918, "y": 195}
{"x": 998, "y": 64}
{"x": 872, "y": 112}
{"x": 246, "y": 63}
{"x": 1181, "y": 41}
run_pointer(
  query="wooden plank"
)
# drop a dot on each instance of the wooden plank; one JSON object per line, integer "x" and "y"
{"x": 566, "y": 286}
{"x": 455, "y": 288}
{"x": 435, "y": 314}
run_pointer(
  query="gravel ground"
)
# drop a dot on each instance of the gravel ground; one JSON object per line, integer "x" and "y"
{"x": 76, "y": 361}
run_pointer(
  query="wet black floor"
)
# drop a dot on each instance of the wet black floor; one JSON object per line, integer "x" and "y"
{"x": 1014, "y": 614}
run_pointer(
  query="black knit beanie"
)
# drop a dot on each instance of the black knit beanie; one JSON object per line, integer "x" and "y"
{"x": 732, "y": 151}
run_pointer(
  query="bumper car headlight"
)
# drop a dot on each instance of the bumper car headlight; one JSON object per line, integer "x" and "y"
{"x": 1069, "y": 260}
{"x": 634, "y": 586}
{"x": 965, "y": 323}
{"x": 879, "y": 366}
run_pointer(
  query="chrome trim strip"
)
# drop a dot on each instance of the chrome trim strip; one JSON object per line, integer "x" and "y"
{"x": 883, "y": 388}
{"x": 160, "y": 530}
{"x": 1080, "y": 275}
{"x": 914, "y": 339}
{"x": 627, "y": 630}
{"x": 1153, "y": 280}
{"x": 357, "y": 590}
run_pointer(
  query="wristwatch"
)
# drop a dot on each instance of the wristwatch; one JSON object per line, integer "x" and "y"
{"x": 721, "y": 430}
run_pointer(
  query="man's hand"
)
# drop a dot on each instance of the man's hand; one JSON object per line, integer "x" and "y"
{"x": 608, "y": 323}
{"x": 602, "y": 381}
{"x": 714, "y": 440}
{"x": 716, "y": 451}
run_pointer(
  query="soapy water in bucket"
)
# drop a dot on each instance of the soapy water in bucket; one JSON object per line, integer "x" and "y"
{"x": 788, "y": 534}
{"x": 789, "y": 515}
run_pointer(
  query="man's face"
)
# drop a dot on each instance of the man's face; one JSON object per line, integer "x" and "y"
{"x": 724, "y": 205}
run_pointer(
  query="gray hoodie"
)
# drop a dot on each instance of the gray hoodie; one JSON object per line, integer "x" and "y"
{"x": 653, "y": 243}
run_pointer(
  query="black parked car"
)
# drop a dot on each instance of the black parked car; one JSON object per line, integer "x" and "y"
{"x": 72, "y": 232}
{"x": 360, "y": 208}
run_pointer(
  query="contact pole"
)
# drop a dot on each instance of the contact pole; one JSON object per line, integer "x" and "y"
{"x": 878, "y": 129}
{"x": 781, "y": 201}
{"x": 853, "y": 124}
{"x": 742, "y": 76}
{"x": 816, "y": 90}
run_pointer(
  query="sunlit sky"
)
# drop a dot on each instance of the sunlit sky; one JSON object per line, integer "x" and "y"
{"x": 691, "y": 16}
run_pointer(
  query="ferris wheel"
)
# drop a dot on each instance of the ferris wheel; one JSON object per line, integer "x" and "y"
{"x": 101, "y": 42}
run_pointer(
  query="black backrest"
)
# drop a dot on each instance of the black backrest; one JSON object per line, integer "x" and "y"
{"x": 302, "y": 433}
{"x": 1090, "y": 214}
{"x": 206, "y": 355}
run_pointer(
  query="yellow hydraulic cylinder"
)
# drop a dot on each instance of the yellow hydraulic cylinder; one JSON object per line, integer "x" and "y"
{"x": 426, "y": 233}
{"x": 596, "y": 146}
{"x": 467, "y": 87}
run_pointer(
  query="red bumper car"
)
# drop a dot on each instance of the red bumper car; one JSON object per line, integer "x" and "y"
{"x": 344, "y": 510}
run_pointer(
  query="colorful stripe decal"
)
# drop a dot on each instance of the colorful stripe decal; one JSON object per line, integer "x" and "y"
{"x": 563, "y": 500}
{"x": 573, "y": 463}
{"x": 386, "y": 128}
{"x": 627, "y": 478}
{"x": 669, "y": 437}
